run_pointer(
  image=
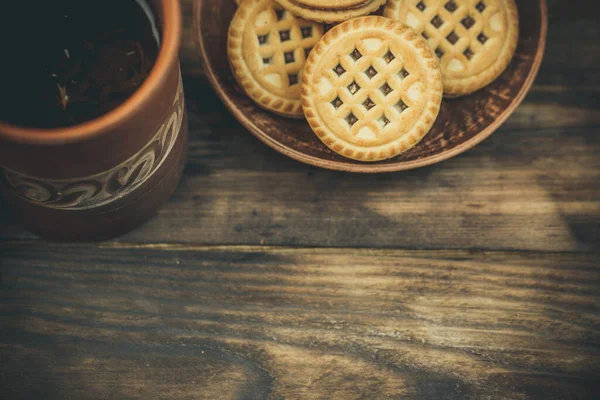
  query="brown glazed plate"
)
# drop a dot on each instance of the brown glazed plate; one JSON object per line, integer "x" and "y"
{"x": 462, "y": 123}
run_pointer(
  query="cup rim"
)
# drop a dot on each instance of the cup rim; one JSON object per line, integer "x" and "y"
{"x": 168, "y": 54}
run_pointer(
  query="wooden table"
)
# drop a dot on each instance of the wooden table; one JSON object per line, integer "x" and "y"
{"x": 267, "y": 279}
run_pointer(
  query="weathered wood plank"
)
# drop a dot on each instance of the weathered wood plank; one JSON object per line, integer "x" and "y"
{"x": 533, "y": 185}
{"x": 250, "y": 322}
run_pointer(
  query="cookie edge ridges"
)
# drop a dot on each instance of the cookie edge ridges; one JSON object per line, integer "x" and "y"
{"x": 242, "y": 75}
{"x": 462, "y": 87}
{"x": 402, "y": 144}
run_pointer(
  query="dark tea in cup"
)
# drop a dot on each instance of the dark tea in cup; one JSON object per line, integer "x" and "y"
{"x": 69, "y": 61}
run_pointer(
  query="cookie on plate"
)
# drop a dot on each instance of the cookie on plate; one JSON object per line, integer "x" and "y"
{"x": 372, "y": 88}
{"x": 267, "y": 47}
{"x": 474, "y": 39}
{"x": 332, "y": 10}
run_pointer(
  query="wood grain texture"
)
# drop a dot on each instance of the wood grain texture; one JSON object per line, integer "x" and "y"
{"x": 265, "y": 323}
{"x": 532, "y": 189}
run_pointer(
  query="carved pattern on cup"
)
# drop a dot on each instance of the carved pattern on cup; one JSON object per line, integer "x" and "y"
{"x": 106, "y": 187}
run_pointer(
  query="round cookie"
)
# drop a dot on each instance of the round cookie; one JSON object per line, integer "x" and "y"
{"x": 372, "y": 88}
{"x": 474, "y": 39}
{"x": 267, "y": 47}
{"x": 333, "y": 11}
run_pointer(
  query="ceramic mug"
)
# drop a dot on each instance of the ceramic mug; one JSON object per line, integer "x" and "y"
{"x": 106, "y": 176}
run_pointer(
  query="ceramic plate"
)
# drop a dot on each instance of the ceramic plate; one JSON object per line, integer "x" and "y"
{"x": 462, "y": 123}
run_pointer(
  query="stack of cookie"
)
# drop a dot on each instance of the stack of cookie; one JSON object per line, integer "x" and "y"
{"x": 332, "y": 10}
{"x": 371, "y": 86}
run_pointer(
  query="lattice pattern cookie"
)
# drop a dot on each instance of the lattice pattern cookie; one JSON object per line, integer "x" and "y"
{"x": 332, "y": 10}
{"x": 372, "y": 88}
{"x": 474, "y": 39}
{"x": 267, "y": 48}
